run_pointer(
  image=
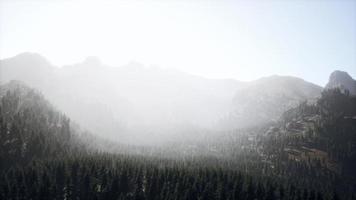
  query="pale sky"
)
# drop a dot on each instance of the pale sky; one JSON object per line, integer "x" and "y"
{"x": 244, "y": 40}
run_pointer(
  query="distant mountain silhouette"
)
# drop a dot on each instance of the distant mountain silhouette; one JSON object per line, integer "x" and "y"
{"x": 128, "y": 98}
{"x": 133, "y": 99}
{"x": 342, "y": 80}
{"x": 265, "y": 99}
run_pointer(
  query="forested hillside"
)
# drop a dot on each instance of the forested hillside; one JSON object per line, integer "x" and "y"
{"x": 177, "y": 100}
{"x": 312, "y": 145}
{"x": 42, "y": 157}
{"x": 30, "y": 127}
{"x": 320, "y": 139}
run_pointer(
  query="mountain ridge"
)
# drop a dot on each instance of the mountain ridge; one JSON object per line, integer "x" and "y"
{"x": 342, "y": 80}
{"x": 135, "y": 98}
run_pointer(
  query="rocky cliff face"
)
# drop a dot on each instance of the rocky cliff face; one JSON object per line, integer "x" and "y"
{"x": 342, "y": 80}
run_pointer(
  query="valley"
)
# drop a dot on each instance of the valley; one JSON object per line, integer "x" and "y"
{"x": 306, "y": 151}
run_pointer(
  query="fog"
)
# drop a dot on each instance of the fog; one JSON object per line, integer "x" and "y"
{"x": 142, "y": 104}
{"x": 180, "y": 50}
{"x": 154, "y": 99}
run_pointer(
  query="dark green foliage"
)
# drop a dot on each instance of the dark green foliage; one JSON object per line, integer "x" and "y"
{"x": 30, "y": 128}
{"x": 133, "y": 178}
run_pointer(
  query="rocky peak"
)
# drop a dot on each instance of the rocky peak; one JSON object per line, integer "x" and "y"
{"x": 342, "y": 80}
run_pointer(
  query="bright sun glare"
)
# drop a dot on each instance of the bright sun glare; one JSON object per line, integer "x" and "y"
{"x": 215, "y": 39}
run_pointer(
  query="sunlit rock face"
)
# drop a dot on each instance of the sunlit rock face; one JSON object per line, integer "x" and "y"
{"x": 342, "y": 80}
{"x": 264, "y": 100}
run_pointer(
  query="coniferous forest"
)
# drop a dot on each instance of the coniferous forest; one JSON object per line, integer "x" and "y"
{"x": 45, "y": 156}
{"x": 177, "y": 100}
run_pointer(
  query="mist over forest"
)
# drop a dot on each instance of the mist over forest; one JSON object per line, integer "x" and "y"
{"x": 142, "y": 103}
{"x": 216, "y": 100}
{"x": 269, "y": 129}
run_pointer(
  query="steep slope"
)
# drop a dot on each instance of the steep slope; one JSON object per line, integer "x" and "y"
{"x": 127, "y": 99}
{"x": 32, "y": 130}
{"x": 157, "y": 97}
{"x": 265, "y": 100}
{"x": 31, "y": 68}
{"x": 44, "y": 160}
{"x": 64, "y": 92}
{"x": 139, "y": 103}
{"x": 320, "y": 135}
{"x": 342, "y": 80}
{"x": 30, "y": 127}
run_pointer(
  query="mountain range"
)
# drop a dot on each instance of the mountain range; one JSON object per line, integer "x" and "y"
{"x": 134, "y": 100}
{"x": 287, "y": 138}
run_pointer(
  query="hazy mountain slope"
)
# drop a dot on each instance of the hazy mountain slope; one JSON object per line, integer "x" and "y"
{"x": 342, "y": 80}
{"x": 32, "y": 130}
{"x": 265, "y": 99}
{"x": 158, "y": 97}
{"x": 30, "y": 68}
{"x": 30, "y": 127}
{"x": 132, "y": 98}
{"x": 65, "y": 93}
{"x": 135, "y": 101}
